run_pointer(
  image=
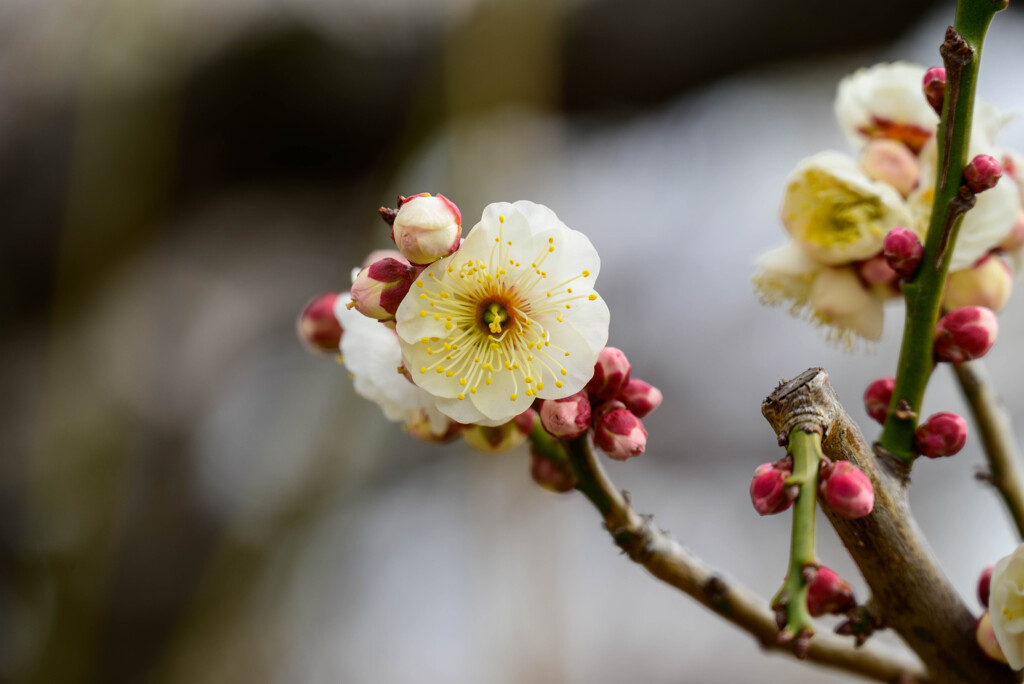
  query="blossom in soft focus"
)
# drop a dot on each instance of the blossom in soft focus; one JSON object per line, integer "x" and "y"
{"x": 427, "y": 228}
{"x": 988, "y": 283}
{"x": 885, "y": 101}
{"x": 373, "y": 356}
{"x": 892, "y": 162}
{"x": 838, "y": 214}
{"x": 1006, "y": 605}
{"x": 510, "y": 317}
{"x": 317, "y": 325}
{"x": 985, "y": 635}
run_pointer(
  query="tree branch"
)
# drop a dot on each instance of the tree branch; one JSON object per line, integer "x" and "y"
{"x": 669, "y": 561}
{"x": 913, "y": 595}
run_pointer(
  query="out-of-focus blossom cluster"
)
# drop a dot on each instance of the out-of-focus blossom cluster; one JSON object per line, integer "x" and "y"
{"x": 838, "y": 209}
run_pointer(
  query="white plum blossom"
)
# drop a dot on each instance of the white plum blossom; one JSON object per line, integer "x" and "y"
{"x": 1006, "y": 605}
{"x": 885, "y": 101}
{"x": 509, "y": 317}
{"x": 838, "y": 214}
{"x": 372, "y": 354}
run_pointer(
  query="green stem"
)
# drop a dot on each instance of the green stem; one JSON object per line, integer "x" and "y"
{"x": 961, "y": 53}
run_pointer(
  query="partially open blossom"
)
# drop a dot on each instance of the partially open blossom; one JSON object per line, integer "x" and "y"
{"x": 567, "y": 417}
{"x": 494, "y": 439}
{"x": 838, "y": 214}
{"x": 317, "y": 325}
{"x": 989, "y": 283}
{"x": 618, "y": 432}
{"x": 982, "y": 173}
{"x": 965, "y": 334}
{"x": 903, "y": 250}
{"x": 829, "y": 594}
{"x": 555, "y": 477}
{"x": 877, "y": 398}
{"x": 1006, "y": 605}
{"x": 892, "y": 162}
{"x": 934, "y": 86}
{"x": 884, "y": 101}
{"x": 985, "y": 635}
{"x": 427, "y": 228}
{"x": 512, "y": 316}
{"x": 611, "y": 373}
{"x": 984, "y": 585}
{"x": 846, "y": 490}
{"x": 768, "y": 490}
{"x": 839, "y": 298}
{"x": 639, "y": 397}
{"x": 943, "y": 434}
{"x": 379, "y": 288}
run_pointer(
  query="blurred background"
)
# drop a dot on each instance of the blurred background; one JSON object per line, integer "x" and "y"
{"x": 187, "y": 495}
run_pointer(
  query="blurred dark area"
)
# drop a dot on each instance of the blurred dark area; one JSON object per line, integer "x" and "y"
{"x": 176, "y": 178}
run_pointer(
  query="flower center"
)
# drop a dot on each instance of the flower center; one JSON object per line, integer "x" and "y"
{"x": 494, "y": 314}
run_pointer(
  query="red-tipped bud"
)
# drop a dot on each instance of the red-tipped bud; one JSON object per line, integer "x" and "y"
{"x": 639, "y": 397}
{"x": 829, "y": 594}
{"x": 943, "y": 434}
{"x": 317, "y": 325}
{"x": 989, "y": 283}
{"x": 934, "y": 86}
{"x": 984, "y": 583}
{"x": 892, "y": 162}
{"x": 618, "y": 432}
{"x": 768, "y": 490}
{"x": 903, "y": 250}
{"x": 427, "y": 228}
{"x": 986, "y": 637}
{"x": 611, "y": 373}
{"x": 568, "y": 417}
{"x": 877, "y": 398}
{"x": 555, "y": 477}
{"x": 846, "y": 490}
{"x": 965, "y": 334}
{"x": 380, "y": 288}
{"x": 982, "y": 173}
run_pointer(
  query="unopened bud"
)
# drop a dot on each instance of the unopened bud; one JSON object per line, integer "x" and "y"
{"x": 639, "y": 397}
{"x": 982, "y": 173}
{"x": 618, "y": 432}
{"x": 846, "y": 490}
{"x": 611, "y": 373}
{"x": 555, "y": 477}
{"x": 877, "y": 398}
{"x": 568, "y": 417}
{"x": 427, "y": 228}
{"x": 965, "y": 334}
{"x": 829, "y": 594}
{"x": 984, "y": 583}
{"x": 768, "y": 490}
{"x": 418, "y": 425}
{"x": 943, "y": 434}
{"x": 934, "y": 86}
{"x": 903, "y": 250}
{"x": 496, "y": 439}
{"x": 989, "y": 283}
{"x": 986, "y": 637}
{"x": 317, "y": 325}
{"x": 892, "y": 162}
{"x": 380, "y": 288}
{"x": 1015, "y": 240}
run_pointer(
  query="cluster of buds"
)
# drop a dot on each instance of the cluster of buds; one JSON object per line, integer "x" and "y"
{"x": 612, "y": 405}
{"x": 845, "y": 490}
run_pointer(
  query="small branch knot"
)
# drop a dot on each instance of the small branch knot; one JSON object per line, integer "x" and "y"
{"x": 955, "y": 50}
{"x": 388, "y": 214}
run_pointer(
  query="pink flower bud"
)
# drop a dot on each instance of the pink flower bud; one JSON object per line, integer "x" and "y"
{"x": 903, "y": 250}
{"x": 568, "y": 417}
{"x": 877, "y": 398}
{"x": 877, "y": 271}
{"x": 639, "y": 397}
{"x": 1015, "y": 240}
{"x": 943, "y": 434}
{"x": 618, "y": 432}
{"x": 984, "y": 582}
{"x": 982, "y": 173}
{"x": 892, "y": 162}
{"x": 317, "y": 325}
{"x": 829, "y": 594}
{"x": 934, "y": 86}
{"x": 986, "y": 637}
{"x": 768, "y": 490}
{"x": 846, "y": 490}
{"x": 427, "y": 228}
{"x": 965, "y": 334}
{"x": 555, "y": 477}
{"x": 611, "y": 373}
{"x": 378, "y": 254}
{"x": 380, "y": 288}
{"x": 989, "y": 283}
